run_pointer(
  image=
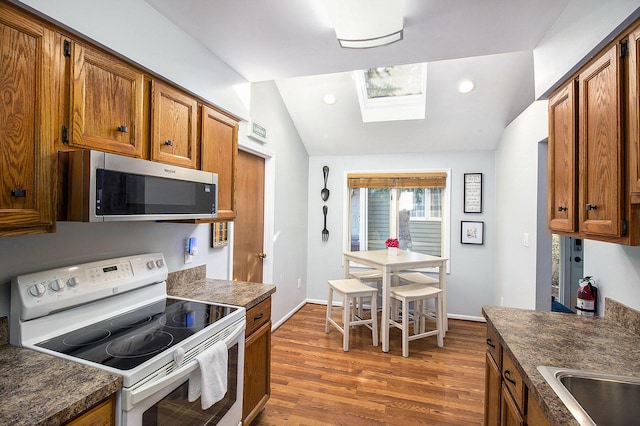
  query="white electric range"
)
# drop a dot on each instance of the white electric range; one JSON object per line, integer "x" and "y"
{"x": 115, "y": 315}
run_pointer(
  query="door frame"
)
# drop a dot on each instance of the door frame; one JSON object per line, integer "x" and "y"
{"x": 244, "y": 144}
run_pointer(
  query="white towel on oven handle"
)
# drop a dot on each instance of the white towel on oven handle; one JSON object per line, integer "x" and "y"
{"x": 210, "y": 381}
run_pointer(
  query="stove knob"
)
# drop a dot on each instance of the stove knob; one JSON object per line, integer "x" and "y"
{"x": 73, "y": 281}
{"x": 37, "y": 290}
{"x": 178, "y": 356}
{"x": 160, "y": 263}
{"x": 56, "y": 285}
{"x": 151, "y": 264}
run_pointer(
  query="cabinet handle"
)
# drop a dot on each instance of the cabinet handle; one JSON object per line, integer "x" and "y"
{"x": 123, "y": 129}
{"x": 490, "y": 344}
{"x": 258, "y": 317}
{"x": 562, "y": 209}
{"x": 592, "y": 207}
{"x": 19, "y": 193}
{"x": 169, "y": 142}
{"x": 507, "y": 374}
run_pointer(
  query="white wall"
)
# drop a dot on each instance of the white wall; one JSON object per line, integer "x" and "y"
{"x": 517, "y": 208}
{"x": 471, "y": 281}
{"x": 582, "y": 26}
{"x": 86, "y": 242}
{"x": 616, "y": 270}
{"x": 138, "y": 32}
{"x": 289, "y": 232}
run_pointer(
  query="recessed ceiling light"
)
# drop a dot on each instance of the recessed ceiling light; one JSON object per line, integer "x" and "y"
{"x": 465, "y": 86}
{"x": 329, "y": 99}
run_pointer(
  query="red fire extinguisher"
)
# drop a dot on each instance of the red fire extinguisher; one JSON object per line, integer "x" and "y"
{"x": 587, "y": 297}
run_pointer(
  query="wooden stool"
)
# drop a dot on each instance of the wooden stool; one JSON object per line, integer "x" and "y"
{"x": 419, "y": 278}
{"x": 418, "y": 294}
{"x": 352, "y": 291}
{"x": 369, "y": 276}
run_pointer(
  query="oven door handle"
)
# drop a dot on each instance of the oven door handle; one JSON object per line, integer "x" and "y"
{"x": 135, "y": 396}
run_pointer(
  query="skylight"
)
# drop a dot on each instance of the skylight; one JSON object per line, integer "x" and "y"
{"x": 392, "y": 93}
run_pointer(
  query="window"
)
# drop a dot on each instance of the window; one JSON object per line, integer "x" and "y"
{"x": 412, "y": 207}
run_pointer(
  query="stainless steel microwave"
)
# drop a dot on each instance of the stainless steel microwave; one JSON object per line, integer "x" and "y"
{"x": 102, "y": 187}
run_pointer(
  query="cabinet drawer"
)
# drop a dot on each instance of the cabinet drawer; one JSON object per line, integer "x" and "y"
{"x": 493, "y": 346}
{"x": 513, "y": 380}
{"x": 258, "y": 315}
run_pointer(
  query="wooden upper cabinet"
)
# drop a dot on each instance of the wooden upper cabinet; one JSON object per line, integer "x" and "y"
{"x": 219, "y": 154}
{"x": 562, "y": 159}
{"x": 601, "y": 146}
{"x": 106, "y": 102}
{"x": 174, "y": 126}
{"x": 28, "y": 160}
{"x": 633, "y": 111}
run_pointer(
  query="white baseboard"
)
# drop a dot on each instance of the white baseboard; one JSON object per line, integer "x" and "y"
{"x": 324, "y": 302}
{"x": 289, "y": 315}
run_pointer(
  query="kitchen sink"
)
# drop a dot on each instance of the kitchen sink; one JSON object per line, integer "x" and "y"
{"x": 596, "y": 398}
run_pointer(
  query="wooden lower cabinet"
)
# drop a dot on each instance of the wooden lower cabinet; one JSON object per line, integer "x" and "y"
{"x": 510, "y": 413}
{"x": 492, "y": 394}
{"x": 506, "y": 398}
{"x": 257, "y": 361}
{"x": 100, "y": 415}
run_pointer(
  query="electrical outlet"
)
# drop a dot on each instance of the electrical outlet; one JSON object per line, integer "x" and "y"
{"x": 299, "y": 282}
{"x": 526, "y": 239}
{"x": 502, "y": 301}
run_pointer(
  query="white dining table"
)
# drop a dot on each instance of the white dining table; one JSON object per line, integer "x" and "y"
{"x": 389, "y": 264}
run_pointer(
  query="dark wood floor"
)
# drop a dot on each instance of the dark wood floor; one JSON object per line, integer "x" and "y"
{"x": 313, "y": 382}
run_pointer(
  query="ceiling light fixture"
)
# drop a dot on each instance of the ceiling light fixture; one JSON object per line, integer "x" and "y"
{"x": 362, "y": 24}
{"x": 329, "y": 99}
{"x": 465, "y": 86}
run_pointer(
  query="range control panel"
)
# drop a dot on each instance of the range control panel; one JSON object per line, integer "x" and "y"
{"x": 43, "y": 292}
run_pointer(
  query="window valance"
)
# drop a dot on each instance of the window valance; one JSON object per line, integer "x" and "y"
{"x": 397, "y": 180}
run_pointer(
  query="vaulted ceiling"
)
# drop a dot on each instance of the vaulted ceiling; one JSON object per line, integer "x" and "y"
{"x": 293, "y": 43}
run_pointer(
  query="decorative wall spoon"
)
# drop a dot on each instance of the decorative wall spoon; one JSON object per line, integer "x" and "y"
{"x": 325, "y": 192}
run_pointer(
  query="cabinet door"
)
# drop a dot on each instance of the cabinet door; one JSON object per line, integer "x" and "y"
{"x": 173, "y": 131}
{"x": 634, "y": 114}
{"x": 27, "y": 163}
{"x": 510, "y": 415}
{"x": 257, "y": 373}
{"x": 106, "y": 103}
{"x": 492, "y": 398}
{"x": 601, "y": 146}
{"x": 562, "y": 160}
{"x": 219, "y": 154}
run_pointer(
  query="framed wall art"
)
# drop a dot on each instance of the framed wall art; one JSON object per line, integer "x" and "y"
{"x": 473, "y": 192}
{"x": 472, "y": 232}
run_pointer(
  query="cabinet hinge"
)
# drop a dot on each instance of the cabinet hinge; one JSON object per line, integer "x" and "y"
{"x": 67, "y": 48}
{"x": 65, "y": 134}
{"x": 625, "y": 227}
{"x": 624, "y": 49}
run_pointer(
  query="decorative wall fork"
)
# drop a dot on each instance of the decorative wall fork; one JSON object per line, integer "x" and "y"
{"x": 325, "y": 231}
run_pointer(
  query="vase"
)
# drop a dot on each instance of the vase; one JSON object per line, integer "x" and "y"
{"x": 392, "y": 251}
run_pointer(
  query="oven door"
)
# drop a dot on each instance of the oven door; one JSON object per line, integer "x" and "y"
{"x": 165, "y": 401}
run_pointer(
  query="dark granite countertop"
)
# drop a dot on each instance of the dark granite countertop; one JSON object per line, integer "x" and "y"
{"x": 534, "y": 338}
{"x": 37, "y": 388}
{"x": 237, "y": 293}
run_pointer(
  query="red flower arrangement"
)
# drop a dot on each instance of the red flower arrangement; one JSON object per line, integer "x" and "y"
{"x": 392, "y": 242}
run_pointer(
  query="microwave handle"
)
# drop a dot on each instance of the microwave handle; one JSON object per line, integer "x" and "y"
{"x": 179, "y": 375}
